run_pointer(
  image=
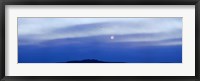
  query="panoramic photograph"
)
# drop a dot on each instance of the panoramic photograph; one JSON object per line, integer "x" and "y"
{"x": 99, "y": 40}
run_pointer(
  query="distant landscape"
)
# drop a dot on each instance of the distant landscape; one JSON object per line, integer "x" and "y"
{"x": 97, "y": 61}
{"x": 89, "y": 61}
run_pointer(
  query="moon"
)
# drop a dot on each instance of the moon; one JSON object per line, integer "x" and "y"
{"x": 112, "y": 37}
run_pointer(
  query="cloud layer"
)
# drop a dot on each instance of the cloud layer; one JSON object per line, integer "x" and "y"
{"x": 153, "y": 31}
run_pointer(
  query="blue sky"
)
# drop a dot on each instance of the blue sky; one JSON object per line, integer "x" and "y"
{"x": 40, "y": 39}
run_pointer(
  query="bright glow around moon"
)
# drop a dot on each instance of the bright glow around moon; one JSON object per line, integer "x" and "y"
{"x": 112, "y": 37}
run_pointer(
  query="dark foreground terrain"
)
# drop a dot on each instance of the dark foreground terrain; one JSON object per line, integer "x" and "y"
{"x": 90, "y": 61}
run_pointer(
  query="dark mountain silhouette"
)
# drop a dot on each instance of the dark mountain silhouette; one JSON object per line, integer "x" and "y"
{"x": 98, "y": 61}
{"x": 90, "y": 61}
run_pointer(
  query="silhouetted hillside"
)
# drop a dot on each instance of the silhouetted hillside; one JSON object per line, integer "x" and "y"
{"x": 90, "y": 61}
{"x": 98, "y": 61}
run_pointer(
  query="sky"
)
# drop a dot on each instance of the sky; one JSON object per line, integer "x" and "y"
{"x": 130, "y": 40}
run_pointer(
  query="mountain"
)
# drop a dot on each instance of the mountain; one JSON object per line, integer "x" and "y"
{"x": 90, "y": 61}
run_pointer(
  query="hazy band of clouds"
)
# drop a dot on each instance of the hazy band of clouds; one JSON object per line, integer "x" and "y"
{"x": 39, "y": 30}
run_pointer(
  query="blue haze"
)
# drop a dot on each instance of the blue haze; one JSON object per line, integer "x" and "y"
{"x": 129, "y": 40}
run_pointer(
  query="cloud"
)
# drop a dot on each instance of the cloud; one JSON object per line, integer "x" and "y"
{"x": 39, "y": 30}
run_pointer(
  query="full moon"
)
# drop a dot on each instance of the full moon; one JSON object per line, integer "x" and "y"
{"x": 112, "y": 37}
